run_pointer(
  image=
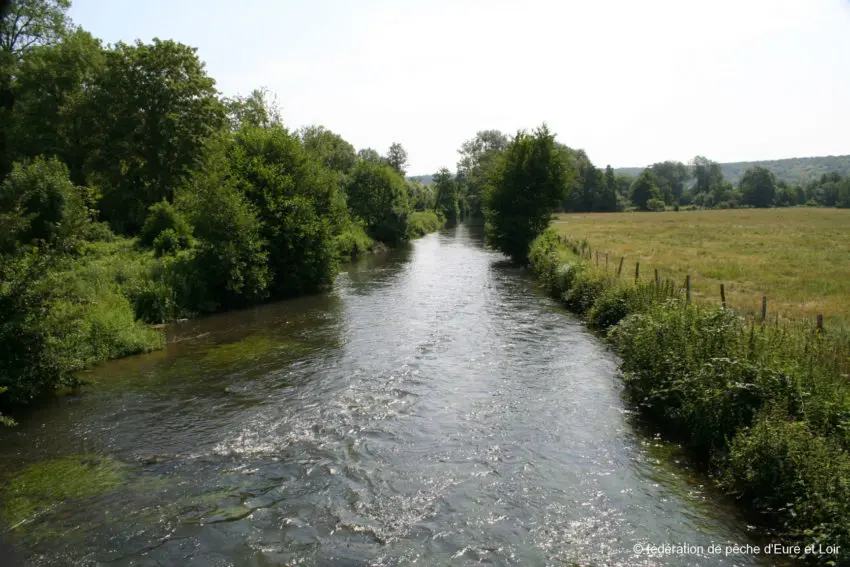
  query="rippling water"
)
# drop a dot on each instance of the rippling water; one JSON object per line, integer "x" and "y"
{"x": 434, "y": 409}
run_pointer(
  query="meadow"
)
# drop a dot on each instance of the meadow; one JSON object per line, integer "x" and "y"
{"x": 798, "y": 257}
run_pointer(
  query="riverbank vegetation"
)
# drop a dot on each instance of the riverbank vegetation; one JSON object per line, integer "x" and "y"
{"x": 765, "y": 404}
{"x": 797, "y": 257}
{"x": 133, "y": 193}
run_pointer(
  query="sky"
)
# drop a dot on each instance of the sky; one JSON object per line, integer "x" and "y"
{"x": 630, "y": 82}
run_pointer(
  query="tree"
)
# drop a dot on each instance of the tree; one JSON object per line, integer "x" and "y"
{"x": 397, "y": 158}
{"x": 478, "y": 156}
{"x": 50, "y": 89}
{"x": 149, "y": 113}
{"x": 30, "y": 23}
{"x": 609, "y": 200}
{"x": 370, "y": 155}
{"x": 328, "y": 148}
{"x": 644, "y": 189}
{"x": 297, "y": 201}
{"x": 253, "y": 110}
{"x": 708, "y": 174}
{"x": 377, "y": 195}
{"x": 446, "y": 200}
{"x": 528, "y": 180}
{"x": 422, "y": 197}
{"x": 758, "y": 187}
{"x": 671, "y": 176}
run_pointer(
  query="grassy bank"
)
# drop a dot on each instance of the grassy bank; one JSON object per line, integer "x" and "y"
{"x": 798, "y": 257}
{"x": 767, "y": 405}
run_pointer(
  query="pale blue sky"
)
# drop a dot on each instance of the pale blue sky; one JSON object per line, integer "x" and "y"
{"x": 630, "y": 82}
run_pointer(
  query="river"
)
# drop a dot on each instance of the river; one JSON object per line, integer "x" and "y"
{"x": 435, "y": 408}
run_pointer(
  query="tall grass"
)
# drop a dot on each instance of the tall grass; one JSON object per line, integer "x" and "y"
{"x": 766, "y": 405}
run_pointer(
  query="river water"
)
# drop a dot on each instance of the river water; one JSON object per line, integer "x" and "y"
{"x": 434, "y": 409}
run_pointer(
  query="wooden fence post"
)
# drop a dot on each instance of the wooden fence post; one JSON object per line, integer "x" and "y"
{"x": 656, "y": 277}
{"x": 763, "y": 307}
{"x": 722, "y": 296}
{"x": 688, "y": 288}
{"x": 820, "y": 321}
{"x": 597, "y": 258}
{"x": 637, "y": 271}
{"x": 606, "y": 262}
{"x": 620, "y": 267}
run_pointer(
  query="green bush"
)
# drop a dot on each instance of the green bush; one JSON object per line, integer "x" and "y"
{"x": 423, "y": 222}
{"x": 163, "y": 216}
{"x": 655, "y": 205}
{"x": 169, "y": 242}
{"x": 352, "y": 243}
{"x": 796, "y": 478}
{"x": 41, "y": 204}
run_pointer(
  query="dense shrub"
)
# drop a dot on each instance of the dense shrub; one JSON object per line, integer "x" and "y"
{"x": 655, "y": 205}
{"x": 164, "y": 216}
{"x": 352, "y": 242}
{"x": 40, "y": 203}
{"x": 422, "y": 223}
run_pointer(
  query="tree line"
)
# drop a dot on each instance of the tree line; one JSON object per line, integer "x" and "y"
{"x": 661, "y": 186}
{"x": 132, "y": 192}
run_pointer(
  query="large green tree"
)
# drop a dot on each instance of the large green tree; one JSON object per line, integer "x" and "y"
{"x": 758, "y": 187}
{"x": 446, "y": 200}
{"x": 708, "y": 175}
{"x": 397, "y": 158}
{"x": 150, "y": 113}
{"x": 50, "y": 91}
{"x": 329, "y": 149}
{"x": 645, "y": 188}
{"x": 477, "y": 157}
{"x": 297, "y": 201}
{"x": 376, "y": 194}
{"x": 528, "y": 181}
{"x": 671, "y": 177}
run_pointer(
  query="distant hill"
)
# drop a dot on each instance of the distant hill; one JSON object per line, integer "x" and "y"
{"x": 423, "y": 179}
{"x": 791, "y": 170}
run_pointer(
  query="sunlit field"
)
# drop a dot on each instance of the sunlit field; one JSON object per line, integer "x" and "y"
{"x": 799, "y": 257}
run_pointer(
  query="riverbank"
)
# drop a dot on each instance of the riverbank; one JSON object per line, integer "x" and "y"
{"x": 765, "y": 405}
{"x": 113, "y": 300}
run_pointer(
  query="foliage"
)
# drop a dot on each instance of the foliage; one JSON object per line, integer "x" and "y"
{"x": 446, "y": 199}
{"x": 423, "y": 222}
{"x": 645, "y": 189}
{"x": 477, "y": 158}
{"x": 397, "y": 158}
{"x": 30, "y": 23}
{"x": 758, "y": 187}
{"x": 40, "y": 204}
{"x": 253, "y": 110}
{"x": 149, "y": 113}
{"x": 767, "y": 406}
{"x": 376, "y": 194}
{"x": 164, "y": 216}
{"x": 298, "y": 204}
{"x": 671, "y": 177}
{"x": 328, "y": 149}
{"x": 655, "y": 205}
{"x": 353, "y": 242}
{"x": 422, "y": 197}
{"x": 529, "y": 179}
{"x": 49, "y": 93}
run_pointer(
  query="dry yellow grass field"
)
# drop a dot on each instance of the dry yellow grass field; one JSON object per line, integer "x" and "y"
{"x": 798, "y": 257}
